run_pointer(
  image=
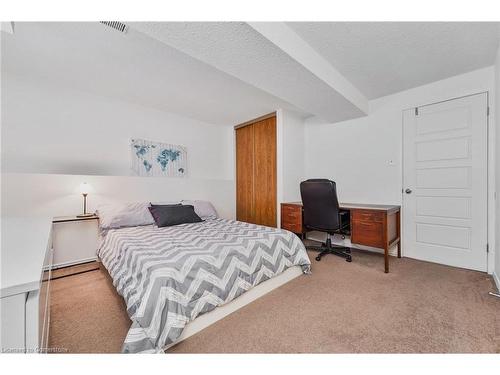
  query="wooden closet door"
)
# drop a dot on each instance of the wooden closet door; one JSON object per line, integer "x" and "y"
{"x": 265, "y": 172}
{"x": 244, "y": 174}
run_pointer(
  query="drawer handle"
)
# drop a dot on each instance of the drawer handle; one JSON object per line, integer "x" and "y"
{"x": 366, "y": 224}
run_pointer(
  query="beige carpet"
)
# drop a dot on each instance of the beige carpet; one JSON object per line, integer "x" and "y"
{"x": 341, "y": 308}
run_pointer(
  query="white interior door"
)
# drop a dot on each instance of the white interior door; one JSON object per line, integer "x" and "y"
{"x": 445, "y": 182}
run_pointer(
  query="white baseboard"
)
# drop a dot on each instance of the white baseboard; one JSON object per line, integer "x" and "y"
{"x": 74, "y": 263}
{"x": 496, "y": 278}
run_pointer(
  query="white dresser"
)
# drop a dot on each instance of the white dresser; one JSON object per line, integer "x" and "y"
{"x": 25, "y": 265}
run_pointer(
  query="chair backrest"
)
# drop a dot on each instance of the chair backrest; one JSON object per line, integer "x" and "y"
{"x": 321, "y": 205}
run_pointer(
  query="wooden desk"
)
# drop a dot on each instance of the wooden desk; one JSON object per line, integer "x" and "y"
{"x": 372, "y": 225}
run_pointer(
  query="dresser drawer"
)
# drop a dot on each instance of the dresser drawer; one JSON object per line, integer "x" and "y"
{"x": 368, "y": 233}
{"x": 367, "y": 215}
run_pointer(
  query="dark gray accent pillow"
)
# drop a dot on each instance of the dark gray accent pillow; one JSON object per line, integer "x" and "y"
{"x": 168, "y": 215}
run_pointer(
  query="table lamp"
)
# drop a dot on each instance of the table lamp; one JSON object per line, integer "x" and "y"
{"x": 84, "y": 189}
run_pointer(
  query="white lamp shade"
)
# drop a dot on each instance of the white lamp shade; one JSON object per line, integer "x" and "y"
{"x": 84, "y": 188}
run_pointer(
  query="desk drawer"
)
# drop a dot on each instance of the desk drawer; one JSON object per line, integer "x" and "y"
{"x": 291, "y": 212}
{"x": 368, "y": 233}
{"x": 294, "y": 228}
{"x": 291, "y": 208}
{"x": 367, "y": 215}
{"x": 291, "y": 218}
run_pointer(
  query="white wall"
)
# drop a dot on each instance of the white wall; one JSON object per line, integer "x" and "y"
{"x": 50, "y": 133}
{"x": 357, "y": 154}
{"x": 52, "y": 129}
{"x": 48, "y": 195}
{"x": 291, "y": 132}
{"x": 290, "y": 157}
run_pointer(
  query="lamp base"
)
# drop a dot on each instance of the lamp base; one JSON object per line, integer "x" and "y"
{"x": 85, "y": 215}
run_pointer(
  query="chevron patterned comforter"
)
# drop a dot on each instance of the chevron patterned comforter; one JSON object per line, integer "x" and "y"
{"x": 169, "y": 276}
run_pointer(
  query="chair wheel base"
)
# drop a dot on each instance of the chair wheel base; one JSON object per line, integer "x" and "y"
{"x": 327, "y": 248}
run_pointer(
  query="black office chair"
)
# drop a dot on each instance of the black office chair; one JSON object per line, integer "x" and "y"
{"x": 322, "y": 213}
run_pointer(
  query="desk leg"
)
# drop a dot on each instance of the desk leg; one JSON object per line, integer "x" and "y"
{"x": 385, "y": 239}
{"x": 386, "y": 259}
{"x": 398, "y": 228}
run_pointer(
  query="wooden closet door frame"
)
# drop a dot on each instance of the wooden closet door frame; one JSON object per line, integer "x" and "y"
{"x": 265, "y": 172}
{"x": 272, "y": 219}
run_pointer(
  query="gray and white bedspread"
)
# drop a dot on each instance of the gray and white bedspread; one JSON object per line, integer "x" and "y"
{"x": 169, "y": 276}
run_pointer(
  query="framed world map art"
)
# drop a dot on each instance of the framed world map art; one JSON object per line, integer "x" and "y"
{"x": 155, "y": 159}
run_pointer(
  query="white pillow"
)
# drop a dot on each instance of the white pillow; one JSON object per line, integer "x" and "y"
{"x": 204, "y": 209}
{"x": 118, "y": 215}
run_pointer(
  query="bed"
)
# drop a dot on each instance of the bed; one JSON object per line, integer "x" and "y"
{"x": 176, "y": 280}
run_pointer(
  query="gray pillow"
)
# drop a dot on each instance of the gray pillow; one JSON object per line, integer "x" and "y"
{"x": 203, "y": 209}
{"x": 168, "y": 215}
{"x": 119, "y": 215}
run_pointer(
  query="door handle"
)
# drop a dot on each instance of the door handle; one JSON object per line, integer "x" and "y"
{"x": 408, "y": 191}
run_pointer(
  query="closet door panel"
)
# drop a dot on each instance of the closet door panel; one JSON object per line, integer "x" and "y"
{"x": 265, "y": 172}
{"x": 244, "y": 174}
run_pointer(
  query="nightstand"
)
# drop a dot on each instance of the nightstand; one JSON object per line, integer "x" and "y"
{"x": 66, "y": 219}
{"x": 75, "y": 240}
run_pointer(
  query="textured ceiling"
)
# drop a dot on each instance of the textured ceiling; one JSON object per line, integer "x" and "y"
{"x": 132, "y": 67}
{"x": 382, "y": 58}
{"x": 239, "y": 50}
{"x": 227, "y": 73}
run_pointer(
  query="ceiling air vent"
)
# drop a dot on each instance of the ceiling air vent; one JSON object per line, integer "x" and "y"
{"x": 119, "y": 26}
